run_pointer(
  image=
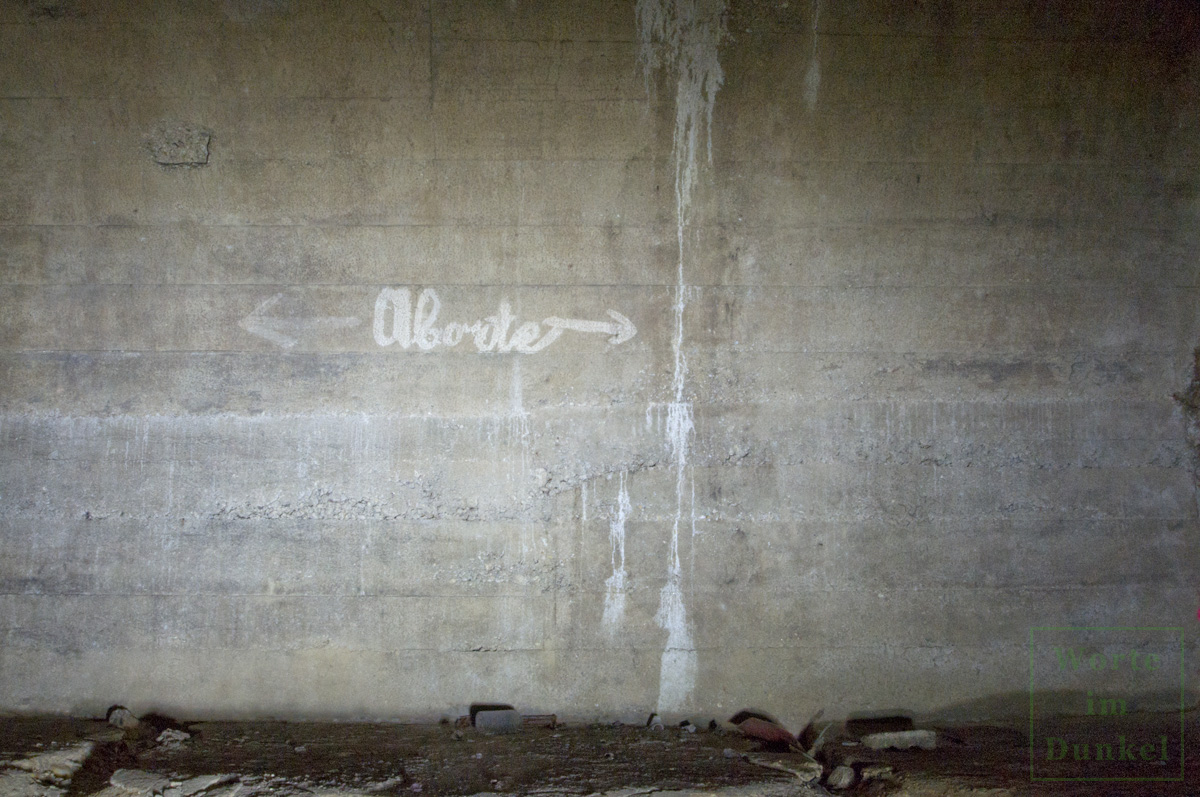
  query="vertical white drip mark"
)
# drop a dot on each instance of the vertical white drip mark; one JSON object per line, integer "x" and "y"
{"x": 518, "y": 420}
{"x": 616, "y": 585}
{"x": 683, "y": 35}
{"x": 517, "y": 415}
{"x": 812, "y": 78}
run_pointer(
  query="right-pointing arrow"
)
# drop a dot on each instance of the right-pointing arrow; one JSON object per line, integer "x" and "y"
{"x": 621, "y": 331}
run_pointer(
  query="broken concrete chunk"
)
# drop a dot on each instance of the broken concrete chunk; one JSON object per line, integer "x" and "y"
{"x": 767, "y": 732}
{"x": 478, "y": 707}
{"x": 198, "y": 784}
{"x": 504, "y": 721}
{"x": 202, "y": 782}
{"x": 139, "y": 781}
{"x": 57, "y": 767}
{"x": 22, "y": 784}
{"x": 541, "y": 720}
{"x": 842, "y": 777}
{"x": 805, "y": 771}
{"x": 121, "y": 717}
{"x": 177, "y": 144}
{"x": 173, "y": 738}
{"x": 231, "y": 789}
{"x": 752, "y": 713}
{"x": 877, "y": 772}
{"x": 901, "y": 740}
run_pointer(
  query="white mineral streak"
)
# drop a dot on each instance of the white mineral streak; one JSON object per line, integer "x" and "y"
{"x": 518, "y": 419}
{"x": 617, "y": 584}
{"x": 812, "y": 78}
{"x": 683, "y": 36}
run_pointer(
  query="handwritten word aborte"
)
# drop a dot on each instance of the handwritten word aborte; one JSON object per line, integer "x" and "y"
{"x": 417, "y": 325}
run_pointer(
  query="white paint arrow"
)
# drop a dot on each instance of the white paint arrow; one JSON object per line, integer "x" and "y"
{"x": 276, "y": 329}
{"x": 621, "y": 331}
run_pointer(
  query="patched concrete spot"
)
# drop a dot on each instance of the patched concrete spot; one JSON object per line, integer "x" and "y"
{"x": 178, "y": 144}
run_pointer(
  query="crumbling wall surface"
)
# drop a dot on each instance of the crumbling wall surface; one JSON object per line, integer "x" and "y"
{"x": 367, "y": 359}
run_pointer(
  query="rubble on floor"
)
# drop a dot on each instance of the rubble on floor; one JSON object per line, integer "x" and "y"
{"x": 79, "y": 758}
{"x": 44, "y": 775}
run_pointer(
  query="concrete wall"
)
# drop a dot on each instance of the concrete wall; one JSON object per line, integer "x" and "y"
{"x": 837, "y": 344}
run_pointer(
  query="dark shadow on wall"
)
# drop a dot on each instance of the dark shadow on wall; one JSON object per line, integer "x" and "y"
{"x": 1189, "y": 399}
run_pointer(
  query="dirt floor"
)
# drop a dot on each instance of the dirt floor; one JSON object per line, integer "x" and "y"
{"x": 57, "y": 756}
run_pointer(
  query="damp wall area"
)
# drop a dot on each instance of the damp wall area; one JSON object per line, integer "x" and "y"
{"x": 368, "y": 359}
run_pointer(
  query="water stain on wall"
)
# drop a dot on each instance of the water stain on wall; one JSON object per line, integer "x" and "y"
{"x": 682, "y": 36}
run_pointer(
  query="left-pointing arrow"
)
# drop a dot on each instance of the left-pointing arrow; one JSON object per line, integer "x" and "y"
{"x": 280, "y": 330}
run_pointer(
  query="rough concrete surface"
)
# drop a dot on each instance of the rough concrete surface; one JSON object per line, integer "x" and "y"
{"x": 598, "y": 357}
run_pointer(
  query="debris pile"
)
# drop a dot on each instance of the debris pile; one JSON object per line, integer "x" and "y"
{"x": 816, "y": 756}
{"x": 45, "y": 775}
{"x": 493, "y": 748}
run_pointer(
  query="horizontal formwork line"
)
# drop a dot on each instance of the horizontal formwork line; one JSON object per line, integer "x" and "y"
{"x": 803, "y": 31}
{"x": 807, "y": 34}
{"x": 419, "y": 96}
{"x": 632, "y": 408}
{"x": 950, "y": 162}
{"x": 200, "y": 526}
{"x": 1024, "y": 285}
{"x": 537, "y": 595}
{"x": 552, "y": 91}
{"x": 1081, "y": 167}
{"x": 548, "y": 92}
{"x": 184, "y": 643}
{"x": 762, "y": 398}
{"x": 1099, "y": 165}
{"x": 551, "y": 638}
{"x": 992, "y": 354}
{"x": 1053, "y": 228}
{"x": 666, "y": 519}
{"x": 961, "y": 111}
{"x": 182, "y": 427}
{"x": 212, "y": 541}
{"x": 692, "y": 348}
{"x": 968, "y": 37}
{"x": 668, "y": 227}
{"x": 791, "y": 456}
{"x": 716, "y": 464}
